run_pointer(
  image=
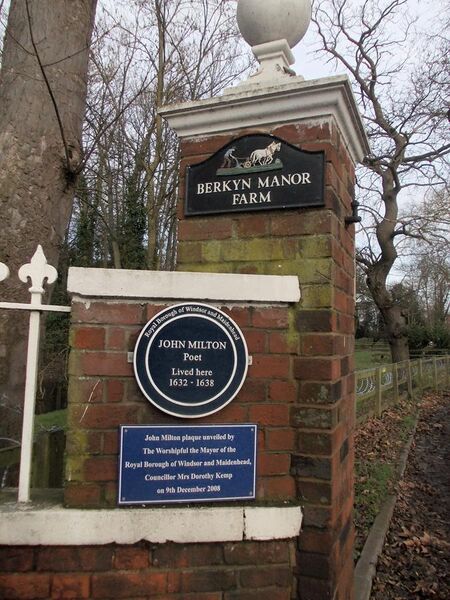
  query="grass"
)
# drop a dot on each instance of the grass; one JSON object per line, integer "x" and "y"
{"x": 372, "y": 486}
{"x": 379, "y": 444}
{"x": 369, "y": 354}
{"x": 57, "y": 419}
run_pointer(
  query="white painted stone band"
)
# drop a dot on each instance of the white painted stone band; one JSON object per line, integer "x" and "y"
{"x": 115, "y": 283}
{"x": 327, "y": 98}
{"x": 28, "y": 526}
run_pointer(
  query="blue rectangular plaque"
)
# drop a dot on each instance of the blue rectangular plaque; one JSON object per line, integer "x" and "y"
{"x": 204, "y": 463}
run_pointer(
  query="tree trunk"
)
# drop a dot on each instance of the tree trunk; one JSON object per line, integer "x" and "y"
{"x": 392, "y": 314}
{"x": 42, "y": 102}
{"x": 396, "y": 331}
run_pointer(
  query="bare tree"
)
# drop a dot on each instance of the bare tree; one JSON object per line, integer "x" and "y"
{"x": 402, "y": 85}
{"x": 155, "y": 53}
{"x": 42, "y": 102}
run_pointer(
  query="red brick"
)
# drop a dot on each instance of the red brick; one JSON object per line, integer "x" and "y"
{"x": 312, "y": 492}
{"x": 317, "y": 320}
{"x": 116, "y": 339}
{"x": 189, "y": 252}
{"x": 317, "y": 417}
{"x": 153, "y": 309}
{"x": 314, "y": 443}
{"x": 310, "y": 133}
{"x": 317, "y": 541}
{"x": 273, "y": 464}
{"x": 111, "y": 493}
{"x": 256, "y": 577}
{"x": 315, "y": 589}
{"x": 280, "y": 439}
{"x": 340, "y": 301}
{"x": 345, "y": 323}
{"x": 242, "y": 316}
{"x": 271, "y": 414}
{"x": 104, "y": 363}
{"x": 252, "y": 226}
{"x": 89, "y": 338}
{"x": 208, "y": 580}
{"x": 256, "y": 553}
{"x": 191, "y": 555}
{"x": 317, "y": 369}
{"x": 70, "y": 586}
{"x": 114, "y": 390}
{"x": 131, "y": 557}
{"x": 194, "y": 146}
{"x": 320, "y": 345}
{"x": 267, "y": 594}
{"x": 104, "y": 416}
{"x": 272, "y": 318}
{"x": 279, "y": 487}
{"x": 82, "y": 495}
{"x": 111, "y": 442}
{"x": 205, "y": 229}
{"x": 100, "y": 469}
{"x": 85, "y": 391}
{"x": 24, "y": 586}
{"x": 74, "y": 558}
{"x": 320, "y": 393}
{"x": 301, "y": 223}
{"x": 94, "y": 443}
{"x": 16, "y": 558}
{"x": 104, "y": 312}
{"x": 232, "y": 413}
{"x": 282, "y": 343}
{"x": 253, "y": 390}
{"x": 124, "y": 585}
{"x": 282, "y": 391}
{"x": 267, "y": 367}
{"x": 256, "y": 341}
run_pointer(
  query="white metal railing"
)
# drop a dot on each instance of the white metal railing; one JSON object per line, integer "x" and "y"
{"x": 38, "y": 271}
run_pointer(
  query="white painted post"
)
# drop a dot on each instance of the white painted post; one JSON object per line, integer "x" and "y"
{"x": 37, "y": 271}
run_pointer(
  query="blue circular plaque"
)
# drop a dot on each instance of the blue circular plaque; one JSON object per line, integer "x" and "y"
{"x": 190, "y": 360}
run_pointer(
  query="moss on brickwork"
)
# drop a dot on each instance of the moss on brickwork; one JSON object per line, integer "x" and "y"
{"x": 211, "y": 252}
{"x": 207, "y": 267}
{"x": 75, "y": 467}
{"x": 315, "y": 246}
{"x": 254, "y": 249}
{"x": 317, "y": 296}
{"x": 76, "y": 441}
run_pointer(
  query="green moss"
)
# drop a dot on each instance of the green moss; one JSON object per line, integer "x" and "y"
{"x": 316, "y": 296}
{"x": 314, "y": 246}
{"x": 211, "y": 251}
{"x": 255, "y": 249}
{"x": 75, "y": 467}
{"x": 77, "y": 442}
{"x": 207, "y": 267}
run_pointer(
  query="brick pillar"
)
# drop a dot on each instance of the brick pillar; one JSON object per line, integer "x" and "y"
{"x": 318, "y": 247}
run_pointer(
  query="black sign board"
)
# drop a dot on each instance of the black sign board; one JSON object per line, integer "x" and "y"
{"x": 190, "y": 360}
{"x": 255, "y": 172}
{"x": 205, "y": 463}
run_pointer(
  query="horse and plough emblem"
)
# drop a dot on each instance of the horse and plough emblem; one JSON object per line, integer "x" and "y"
{"x": 261, "y": 159}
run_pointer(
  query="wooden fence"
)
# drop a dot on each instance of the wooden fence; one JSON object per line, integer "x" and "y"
{"x": 380, "y": 387}
{"x": 376, "y": 389}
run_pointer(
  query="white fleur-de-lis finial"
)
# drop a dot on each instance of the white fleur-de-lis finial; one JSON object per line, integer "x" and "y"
{"x": 4, "y": 271}
{"x": 38, "y": 270}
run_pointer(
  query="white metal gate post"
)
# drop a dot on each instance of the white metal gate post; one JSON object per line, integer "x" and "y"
{"x": 37, "y": 271}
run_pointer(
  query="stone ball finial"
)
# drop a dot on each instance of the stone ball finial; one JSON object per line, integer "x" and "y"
{"x": 262, "y": 21}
